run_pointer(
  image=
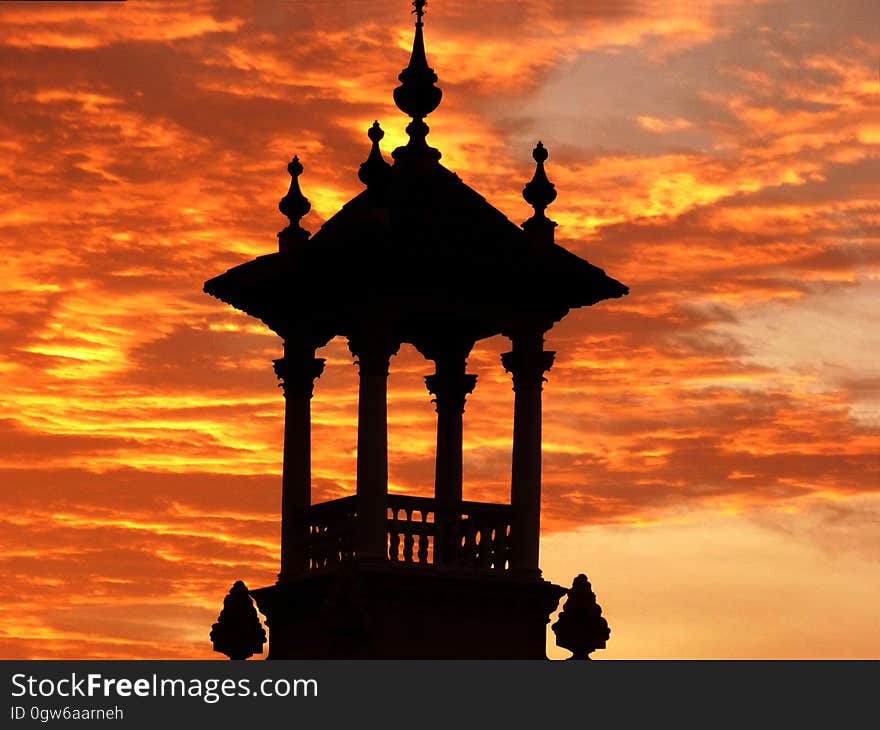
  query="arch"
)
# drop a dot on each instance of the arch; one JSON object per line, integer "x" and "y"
{"x": 412, "y": 425}
{"x": 334, "y": 424}
{"x": 488, "y": 425}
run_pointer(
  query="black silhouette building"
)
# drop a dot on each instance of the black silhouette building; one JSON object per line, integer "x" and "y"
{"x": 416, "y": 257}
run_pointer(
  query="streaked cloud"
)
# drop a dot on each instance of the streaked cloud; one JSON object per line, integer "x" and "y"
{"x": 721, "y": 160}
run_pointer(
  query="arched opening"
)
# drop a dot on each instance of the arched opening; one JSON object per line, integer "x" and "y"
{"x": 334, "y": 424}
{"x": 488, "y": 425}
{"x": 412, "y": 425}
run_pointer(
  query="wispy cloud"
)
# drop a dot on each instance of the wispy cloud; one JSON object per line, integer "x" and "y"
{"x": 722, "y": 161}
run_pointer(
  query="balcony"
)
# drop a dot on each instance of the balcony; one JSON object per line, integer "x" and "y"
{"x": 421, "y": 532}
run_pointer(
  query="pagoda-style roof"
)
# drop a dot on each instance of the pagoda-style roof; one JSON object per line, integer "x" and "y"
{"x": 426, "y": 246}
{"x": 418, "y": 248}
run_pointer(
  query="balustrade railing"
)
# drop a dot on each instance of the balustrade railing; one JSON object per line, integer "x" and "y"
{"x": 473, "y": 534}
{"x": 421, "y": 531}
{"x": 329, "y": 532}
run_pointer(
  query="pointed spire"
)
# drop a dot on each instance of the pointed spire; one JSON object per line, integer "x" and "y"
{"x": 294, "y": 205}
{"x": 539, "y": 192}
{"x": 375, "y": 171}
{"x": 417, "y": 96}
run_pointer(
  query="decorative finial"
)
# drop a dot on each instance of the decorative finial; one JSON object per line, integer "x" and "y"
{"x": 238, "y": 632}
{"x": 581, "y": 628}
{"x": 417, "y": 96}
{"x": 539, "y": 192}
{"x": 294, "y": 205}
{"x": 375, "y": 171}
{"x": 375, "y": 133}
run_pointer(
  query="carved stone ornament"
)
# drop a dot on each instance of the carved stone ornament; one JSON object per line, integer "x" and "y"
{"x": 238, "y": 632}
{"x": 581, "y": 628}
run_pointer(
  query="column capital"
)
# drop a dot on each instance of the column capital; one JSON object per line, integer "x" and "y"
{"x": 528, "y": 366}
{"x": 450, "y": 390}
{"x": 298, "y": 374}
{"x": 373, "y": 353}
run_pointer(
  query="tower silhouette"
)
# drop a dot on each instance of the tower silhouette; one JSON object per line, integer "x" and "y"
{"x": 417, "y": 257}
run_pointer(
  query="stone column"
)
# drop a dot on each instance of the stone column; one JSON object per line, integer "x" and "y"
{"x": 527, "y": 362}
{"x": 450, "y": 386}
{"x": 373, "y": 353}
{"x": 297, "y": 371}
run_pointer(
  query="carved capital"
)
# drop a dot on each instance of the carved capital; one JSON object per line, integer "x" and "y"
{"x": 298, "y": 374}
{"x": 450, "y": 390}
{"x": 528, "y": 367}
{"x": 373, "y": 353}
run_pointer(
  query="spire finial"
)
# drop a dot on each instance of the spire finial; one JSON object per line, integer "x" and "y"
{"x": 539, "y": 192}
{"x": 417, "y": 96}
{"x": 294, "y": 205}
{"x": 375, "y": 171}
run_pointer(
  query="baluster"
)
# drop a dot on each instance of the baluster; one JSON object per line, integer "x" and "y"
{"x": 332, "y": 536}
{"x": 475, "y": 550}
{"x": 478, "y": 542}
{"x": 423, "y": 538}
{"x": 328, "y": 541}
{"x": 484, "y": 553}
{"x": 453, "y": 539}
{"x": 442, "y": 536}
{"x": 316, "y": 548}
{"x": 461, "y": 542}
{"x": 330, "y": 533}
{"x": 464, "y": 546}
{"x": 408, "y": 536}
{"x": 469, "y": 546}
{"x": 432, "y": 539}
{"x": 498, "y": 545}
{"x": 475, "y": 541}
{"x": 482, "y": 546}
{"x": 316, "y": 545}
{"x": 490, "y": 543}
{"x": 394, "y": 545}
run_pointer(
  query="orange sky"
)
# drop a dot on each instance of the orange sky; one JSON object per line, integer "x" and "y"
{"x": 711, "y": 441}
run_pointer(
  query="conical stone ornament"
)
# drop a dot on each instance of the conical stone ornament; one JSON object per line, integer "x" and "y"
{"x": 238, "y": 632}
{"x": 581, "y": 628}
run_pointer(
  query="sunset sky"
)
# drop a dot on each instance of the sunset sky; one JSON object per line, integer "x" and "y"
{"x": 711, "y": 441}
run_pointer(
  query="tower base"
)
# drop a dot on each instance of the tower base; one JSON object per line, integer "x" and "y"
{"x": 382, "y": 611}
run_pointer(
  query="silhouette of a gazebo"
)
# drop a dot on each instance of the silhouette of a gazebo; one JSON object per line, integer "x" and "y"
{"x": 417, "y": 257}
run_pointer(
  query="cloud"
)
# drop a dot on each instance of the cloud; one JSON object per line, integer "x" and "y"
{"x": 720, "y": 160}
